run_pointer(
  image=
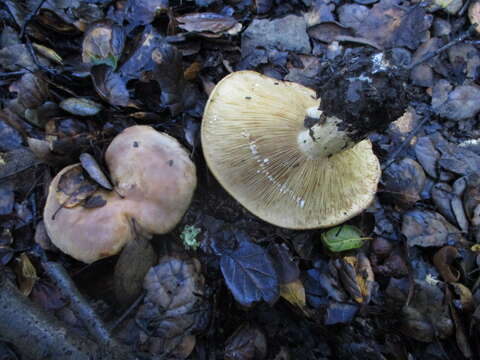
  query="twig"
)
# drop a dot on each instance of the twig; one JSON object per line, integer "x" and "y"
{"x": 30, "y": 17}
{"x": 127, "y": 312}
{"x": 407, "y": 140}
{"x": 12, "y": 73}
{"x": 447, "y": 46}
{"x": 78, "y": 303}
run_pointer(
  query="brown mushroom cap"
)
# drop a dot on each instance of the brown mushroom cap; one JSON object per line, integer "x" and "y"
{"x": 156, "y": 178}
{"x": 256, "y": 143}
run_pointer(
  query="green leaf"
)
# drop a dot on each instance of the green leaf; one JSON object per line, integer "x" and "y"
{"x": 342, "y": 238}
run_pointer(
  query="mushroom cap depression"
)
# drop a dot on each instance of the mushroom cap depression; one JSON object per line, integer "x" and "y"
{"x": 251, "y": 131}
{"x": 155, "y": 178}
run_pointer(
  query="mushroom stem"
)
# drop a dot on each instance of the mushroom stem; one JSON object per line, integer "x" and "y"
{"x": 322, "y": 136}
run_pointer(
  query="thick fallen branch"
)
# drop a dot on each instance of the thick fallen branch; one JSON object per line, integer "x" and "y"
{"x": 36, "y": 334}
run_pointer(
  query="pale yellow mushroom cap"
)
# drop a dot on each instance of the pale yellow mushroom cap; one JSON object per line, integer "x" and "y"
{"x": 257, "y": 146}
{"x": 156, "y": 178}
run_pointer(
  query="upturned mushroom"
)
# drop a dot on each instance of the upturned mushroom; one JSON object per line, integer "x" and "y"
{"x": 154, "y": 180}
{"x": 283, "y": 159}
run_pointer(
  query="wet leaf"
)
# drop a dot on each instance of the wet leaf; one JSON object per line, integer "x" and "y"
{"x": 328, "y": 32}
{"x": 427, "y": 155}
{"x": 320, "y": 286}
{"x": 26, "y": 274}
{"x": 136, "y": 258}
{"x": 465, "y": 298}
{"x": 91, "y": 166}
{"x": 340, "y": 313}
{"x": 139, "y": 59}
{"x": 7, "y": 199}
{"x": 169, "y": 76}
{"x": 263, "y": 6}
{"x": 426, "y": 228}
{"x": 404, "y": 181}
{"x": 173, "y": 307}
{"x": 50, "y": 54}
{"x": 356, "y": 276}
{"x": 17, "y": 57}
{"x": 427, "y": 316}
{"x": 471, "y": 196}
{"x": 110, "y": 85}
{"x": 443, "y": 260}
{"x": 94, "y": 202}
{"x": 248, "y": 342}
{"x": 294, "y": 293}
{"x": 103, "y": 44}
{"x": 474, "y": 15}
{"x": 143, "y": 12}
{"x": 249, "y": 273}
{"x": 442, "y": 195}
{"x": 74, "y": 187}
{"x": 460, "y": 336}
{"x": 206, "y": 22}
{"x": 81, "y": 106}
{"x": 287, "y": 269}
{"x": 389, "y": 25}
{"x": 461, "y": 103}
{"x": 342, "y": 238}
{"x": 31, "y": 89}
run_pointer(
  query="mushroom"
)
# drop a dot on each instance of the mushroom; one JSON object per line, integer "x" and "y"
{"x": 277, "y": 154}
{"x": 154, "y": 181}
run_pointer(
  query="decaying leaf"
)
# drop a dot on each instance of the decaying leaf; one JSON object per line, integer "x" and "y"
{"x": 294, "y": 293}
{"x": 110, "y": 85}
{"x": 173, "y": 308}
{"x": 390, "y": 25}
{"x": 357, "y": 276}
{"x": 464, "y": 301}
{"x": 103, "y": 44}
{"x": 91, "y": 166}
{"x": 426, "y": 228}
{"x": 404, "y": 181}
{"x": 26, "y": 274}
{"x": 283, "y": 260}
{"x": 248, "y": 342}
{"x": 249, "y": 272}
{"x": 74, "y": 187}
{"x": 206, "y": 22}
{"x": 145, "y": 11}
{"x": 169, "y": 76}
{"x": 427, "y": 315}
{"x": 136, "y": 258}
{"x": 443, "y": 260}
{"x": 342, "y": 238}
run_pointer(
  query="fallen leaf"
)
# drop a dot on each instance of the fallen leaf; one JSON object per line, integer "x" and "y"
{"x": 249, "y": 273}
{"x": 26, "y": 274}
{"x": 110, "y": 85}
{"x": 169, "y": 76}
{"x": 427, "y": 228}
{"x": 343, "y": 238}
{"x": 389, "y": 25}
{"x": 91, "y": 166}
{"x": 206, "y": 22}
{"x": 74, "y": 187}
{"x": 294, "y": 293}
{"x": 142, "y": 12}
{"x": 248, "y": 342}
{"x": 81, "y": 106}
{"x": 443, "y": 260}
{"x": 103, "y": 43}
{"x": 173, "y": 307}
